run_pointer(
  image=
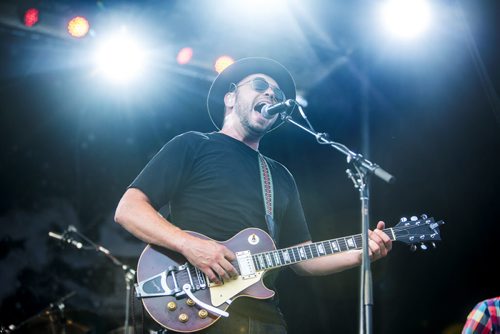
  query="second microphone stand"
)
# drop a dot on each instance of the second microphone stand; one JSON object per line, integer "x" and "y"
{"x": 129, "y": 273}
{"x": 363, "y": 168}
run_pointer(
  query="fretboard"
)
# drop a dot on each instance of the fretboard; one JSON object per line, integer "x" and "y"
{"x": 287, "y": 256}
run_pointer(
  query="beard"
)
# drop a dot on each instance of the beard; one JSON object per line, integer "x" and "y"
{"x": 245, "y": 112}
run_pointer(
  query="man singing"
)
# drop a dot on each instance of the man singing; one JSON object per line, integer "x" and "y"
{"x": 219, "y": 183}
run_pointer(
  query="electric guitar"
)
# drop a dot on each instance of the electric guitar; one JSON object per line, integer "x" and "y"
{"x": 179, "y": 296}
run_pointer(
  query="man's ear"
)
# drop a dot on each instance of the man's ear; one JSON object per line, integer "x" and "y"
{"x": 229, "y": 99}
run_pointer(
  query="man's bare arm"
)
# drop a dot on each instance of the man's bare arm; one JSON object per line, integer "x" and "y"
{"x": 136, "y": 214}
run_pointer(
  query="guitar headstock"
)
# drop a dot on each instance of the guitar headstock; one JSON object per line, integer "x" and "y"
{"x": 418, "y": 230}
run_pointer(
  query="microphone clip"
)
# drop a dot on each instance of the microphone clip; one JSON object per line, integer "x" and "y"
{"x": 66, "y": 238}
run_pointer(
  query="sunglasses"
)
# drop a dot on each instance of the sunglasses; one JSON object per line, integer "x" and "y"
{"x": 260, "y": 85}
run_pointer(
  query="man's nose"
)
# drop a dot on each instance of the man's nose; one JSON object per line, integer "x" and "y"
{"x": 269, "y": 92}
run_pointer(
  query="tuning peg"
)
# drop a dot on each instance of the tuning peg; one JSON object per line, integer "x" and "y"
{"x": 424, "y": 216}
{"x": 413, "y": 247}
{"x": 423, "y": 246}
{"x": 433, "y": 244}
{"x": 403, "y": 219}
{"x": 413, "y": 218}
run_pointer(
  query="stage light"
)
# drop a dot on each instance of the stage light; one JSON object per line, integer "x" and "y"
{"x": 78, "y": 26}
{"x": 405, "y": 18}
{"x": 184, "y": 56}
{"x": 120, "y": 58}
{"x": 222, "y": 62}
{"x": 31, "y": 17}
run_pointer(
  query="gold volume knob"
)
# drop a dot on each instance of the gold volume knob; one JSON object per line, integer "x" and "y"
{"x": 183, "y": 317}
{"x": 171, "y": 306}
{"x": 190, "y": 302}
{"x": 203, "y": 313}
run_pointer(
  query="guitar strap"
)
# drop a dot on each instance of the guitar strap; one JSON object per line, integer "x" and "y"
{"x": 268, "y": 196}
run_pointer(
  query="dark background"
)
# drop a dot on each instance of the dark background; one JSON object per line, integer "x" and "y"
{"x": 427, "y": 111}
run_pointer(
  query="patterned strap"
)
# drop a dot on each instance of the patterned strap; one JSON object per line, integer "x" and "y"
{"x": 268, "y": 195}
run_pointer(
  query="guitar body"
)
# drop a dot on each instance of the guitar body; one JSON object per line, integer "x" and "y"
{"x": 155, "y": 260}
{"x": 179, "y": 297}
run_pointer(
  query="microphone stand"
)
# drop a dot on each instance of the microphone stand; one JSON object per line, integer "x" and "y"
{"x": 129, "y": 273}
{"x": 363, "y": 168}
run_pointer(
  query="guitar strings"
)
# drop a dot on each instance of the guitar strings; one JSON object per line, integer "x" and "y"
{"x": 357, "y": 237}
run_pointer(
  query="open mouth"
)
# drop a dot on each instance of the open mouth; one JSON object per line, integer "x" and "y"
{"x": 258, "y": 107}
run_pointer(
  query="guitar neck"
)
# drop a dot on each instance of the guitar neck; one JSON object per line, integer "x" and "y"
{"x": 287, "y": 256}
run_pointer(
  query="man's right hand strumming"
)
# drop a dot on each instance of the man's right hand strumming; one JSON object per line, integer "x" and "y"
{"x": 209, "y": 256}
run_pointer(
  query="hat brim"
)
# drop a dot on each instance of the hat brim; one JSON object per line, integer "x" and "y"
{"x": 239, "y": 70}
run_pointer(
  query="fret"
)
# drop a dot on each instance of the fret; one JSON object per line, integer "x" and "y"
{"x": 286, "y": 256}
{"x": 277, "y": 258}
{"x": 281, "y": 257}
{"x": 273, "y": 260}
{"x": 359, "y": 240}
{"x": 269, "y": 261}
{"x": 312, "y": 247}
{"x": 292, "y": 255}
{"x": 321, "y": 248}
{"x": 342, "y": 244}
{"x": 261, "y": 261}
{"x": 302, "y": 253}
{"x": 335, "y": 246}
{"x": 350, "y": 243}
{"x": 309, "y": 253}
{"x": 328, "y": 247}
{"x": 256, "y": 263}
{"x": 314, "y": 250}
{"x": 296, "y": 254}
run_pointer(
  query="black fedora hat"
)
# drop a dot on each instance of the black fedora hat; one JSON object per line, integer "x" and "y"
{"x": 239, "y": 70}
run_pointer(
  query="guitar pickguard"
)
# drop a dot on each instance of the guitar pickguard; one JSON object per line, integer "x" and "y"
{"x": 221, "y": 293}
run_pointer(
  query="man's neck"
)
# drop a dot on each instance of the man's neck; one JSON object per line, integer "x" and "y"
{"x": 245, "y": 138}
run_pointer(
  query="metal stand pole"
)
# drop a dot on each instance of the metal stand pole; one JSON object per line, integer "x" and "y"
{"x": 129, "y": 281}
{"x": 366, "y": 284}
{"x": 363, "y": 168}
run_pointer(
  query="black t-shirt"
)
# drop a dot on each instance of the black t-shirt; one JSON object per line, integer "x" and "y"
{"x": 212, "y": 183}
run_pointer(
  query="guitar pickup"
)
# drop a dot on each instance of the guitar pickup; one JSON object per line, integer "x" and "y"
{"x": 245, "y": 262}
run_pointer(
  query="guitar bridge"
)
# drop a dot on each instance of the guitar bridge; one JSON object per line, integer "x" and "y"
{"x": 158, "y": 285}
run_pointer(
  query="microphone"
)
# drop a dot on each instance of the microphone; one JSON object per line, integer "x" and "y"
{"x": 269, "y": 110}
{"x": 66, "y": 239}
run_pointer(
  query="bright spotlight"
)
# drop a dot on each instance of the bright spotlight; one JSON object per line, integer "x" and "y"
{"x": 405, "y": 18}
{"x": 222, "y": 62}
{"x": 120, "y": 58}
{"x": 78, "y": 26}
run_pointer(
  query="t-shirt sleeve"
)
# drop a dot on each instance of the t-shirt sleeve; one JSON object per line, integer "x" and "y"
{"x": 166, "y": 172}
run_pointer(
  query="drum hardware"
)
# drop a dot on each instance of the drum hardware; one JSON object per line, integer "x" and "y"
{"x": 54, "y": 313}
